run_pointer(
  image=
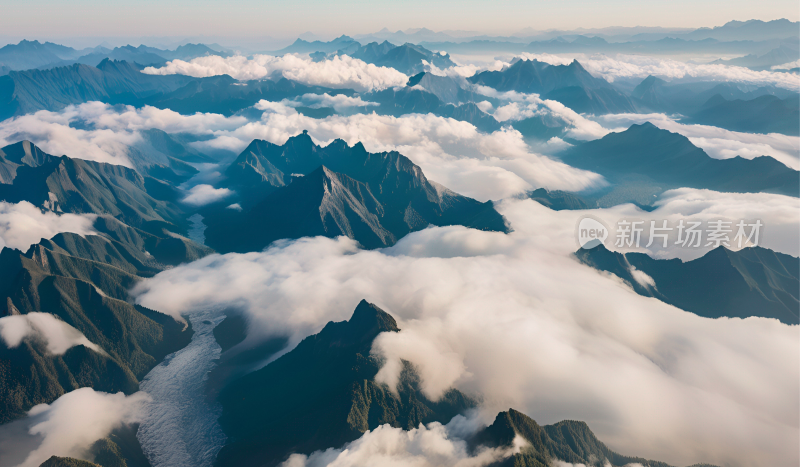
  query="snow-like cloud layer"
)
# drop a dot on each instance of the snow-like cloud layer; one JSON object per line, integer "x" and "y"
{"x": 450, "y": 152}
{"x": 431, "y": 446}
{"x": 516, "y": 319}
{"x": 522, "y": 106}
{"x": 23, "y": 224}
{"x": 200, "y": 195}
{"x": 453, "y": 153}
{"x": 57, "y": 335}
{"x": 339, "y": 72}
{"x": 67, "y": 427}
{"x": 106, "y": 132}
{"x": 611, "y": 67}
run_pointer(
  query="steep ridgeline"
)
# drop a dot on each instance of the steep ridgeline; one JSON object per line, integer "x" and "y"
{"x": 301, "y": 189}
{"x": 70, "y": 278}
{"x": 406, "y": 58}
{"x": 84, "y": 281}
{"x": 112, "y": 82}
{"x": 567, "y": 441}
{"x": 749, "y": 282}
{"x": 78, "y": 186}
{"x": 323, "y": 394}
{"x": 570, "y": 84}
{"x": 155, "y": 154}
{"x": 645, "y": 155}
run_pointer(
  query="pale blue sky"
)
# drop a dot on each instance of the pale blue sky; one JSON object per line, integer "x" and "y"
{"x": 249, "y": 18}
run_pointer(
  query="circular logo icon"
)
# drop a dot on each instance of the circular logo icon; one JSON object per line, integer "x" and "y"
{"x": 591, "y": 233}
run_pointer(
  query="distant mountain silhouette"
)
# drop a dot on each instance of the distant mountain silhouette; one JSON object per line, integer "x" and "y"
{"x": 656, "y": 95}
{"x": 669, "y": 160}
{"x": 121, "y": 82}
{"x": 764, "y": 114}
{"x": 570, "y": 84}
{"x": 749, "y": 282}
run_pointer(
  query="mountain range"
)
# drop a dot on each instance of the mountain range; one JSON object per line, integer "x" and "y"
{"x": 32, "y": 54}
{"x": 570, "y": 84}
{"x": 328, "y": 396}
{"x": 323, "y": 394}
{"x": 763, "y": 114}
{"x": 656, "y": 95}
{"x": 121, "y": 82}
{"x": 301, "y": 189}
{"x": 645, "y": 160}
{"x": 753, "y": 281}
{"x": 84, "y": 280}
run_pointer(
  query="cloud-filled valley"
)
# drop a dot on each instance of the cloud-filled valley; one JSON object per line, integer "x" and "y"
{"x": 181, "y": 249}
{"x": 459, "y": 293}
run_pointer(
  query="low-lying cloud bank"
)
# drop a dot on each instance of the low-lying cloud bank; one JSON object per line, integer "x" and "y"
{"x": 200, "y": 195}
{"x": 105, "y": 133}
{"x": 454, "y": 153}
{"x": 67, "y": 427}
{"x": 516, "y": 319}
{"x": 339, "y": 72}
{"x": 451, "y": 152}
{"x": 23, "y": 224}
{"x": 436, "y": 445}
{"x": 57, "y": 335}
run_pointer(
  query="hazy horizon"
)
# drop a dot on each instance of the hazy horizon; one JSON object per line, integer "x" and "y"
{"x": 88, "y": 21}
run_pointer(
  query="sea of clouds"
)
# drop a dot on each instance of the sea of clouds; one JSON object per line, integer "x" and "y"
{"x": 513, "y": 318}
{"x": 518, "y": 320}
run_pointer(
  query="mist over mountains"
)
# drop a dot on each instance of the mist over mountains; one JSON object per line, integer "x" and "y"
{"x": 367, "y": 250}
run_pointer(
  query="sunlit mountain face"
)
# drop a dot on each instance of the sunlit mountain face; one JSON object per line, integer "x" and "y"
{"x": 417, "y": 247}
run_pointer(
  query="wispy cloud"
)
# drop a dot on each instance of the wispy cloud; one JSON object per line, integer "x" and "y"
{"x": 23, "y": 224}
{"x": 200, "y": 195}
{"x": 338, "y": 72}
{"x": 56, "y": 334}
{"x": 67, "y": 427}
{"x": 516, "y": 319}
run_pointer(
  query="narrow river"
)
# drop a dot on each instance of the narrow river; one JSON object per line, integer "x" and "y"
{"x": 180, "y": 426}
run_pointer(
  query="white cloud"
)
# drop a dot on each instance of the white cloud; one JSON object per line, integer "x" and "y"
{"x": 339, "y": 102}
{"x": 200, "y": 195}
{"x": 67, "y": 427}
{"x": 23, "y": 224}
{"x": 56, "y": 334}
{"x": 431, "y": 446}
{"x": 339, "y": 72}
{"x": 787, "y": 66}
{"x": 516, "y": 319}
{"x": 450, "y": 152}
{"x": 717, "y": 142}
{"x": 111, "y": 132}
{"x": 485, "y": 106}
